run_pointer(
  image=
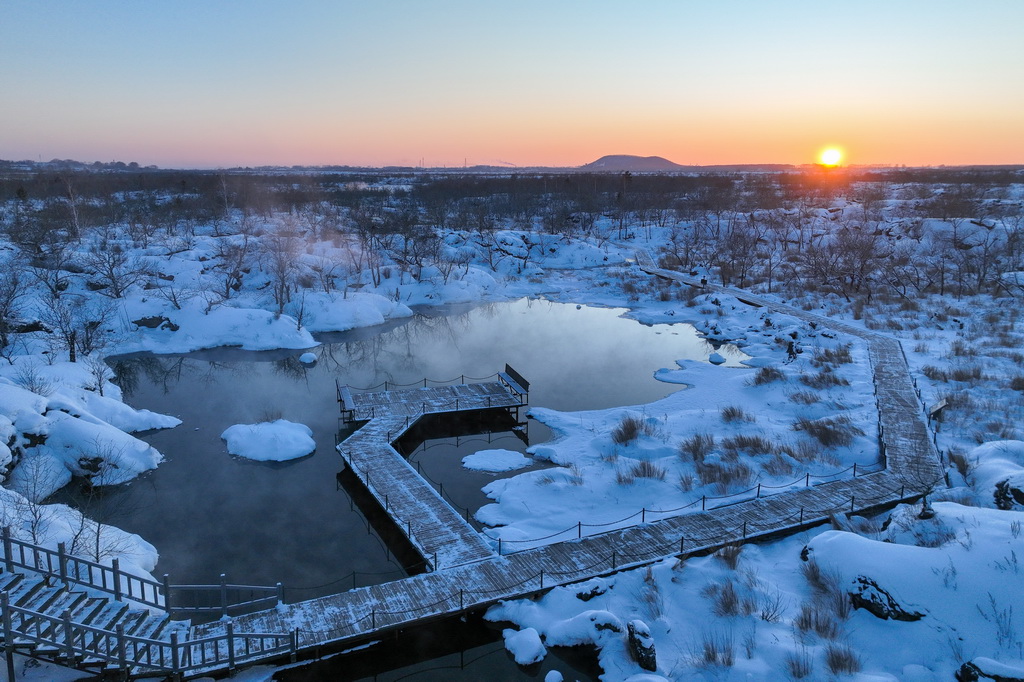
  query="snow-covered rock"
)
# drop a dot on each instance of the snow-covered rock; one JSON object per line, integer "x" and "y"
{"x": 495, "y": 460}
{"x": 278, "y": 441}
{"x": 525, "y": 645}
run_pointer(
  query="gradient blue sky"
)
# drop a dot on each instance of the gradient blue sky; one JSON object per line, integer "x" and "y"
{"x": 211, "y": 83}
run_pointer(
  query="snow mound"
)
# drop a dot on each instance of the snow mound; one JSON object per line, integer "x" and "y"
{"x": 277, "y": 441}
{"x": 524, "y": 645}
{"x": 307, "y": 358}
{"x": 495, "y": 461}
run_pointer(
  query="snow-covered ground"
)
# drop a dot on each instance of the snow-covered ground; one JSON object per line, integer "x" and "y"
{"x": 800, "y": 405}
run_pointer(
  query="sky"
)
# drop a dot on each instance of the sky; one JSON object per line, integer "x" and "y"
{"x": 206, "y": 84}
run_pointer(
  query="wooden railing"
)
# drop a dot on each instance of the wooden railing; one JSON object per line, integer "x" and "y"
{"x": 175, "y": 600}
{"x": 85, "y": 644}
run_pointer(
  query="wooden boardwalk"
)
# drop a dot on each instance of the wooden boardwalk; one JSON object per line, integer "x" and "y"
{"x": 433, "y": 527}
{"x": 470, "y": 571}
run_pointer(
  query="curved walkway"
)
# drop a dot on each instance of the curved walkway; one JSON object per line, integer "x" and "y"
{"x": 488, "y": 574}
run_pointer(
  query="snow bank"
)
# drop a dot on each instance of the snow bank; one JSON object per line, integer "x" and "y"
{"x": 278, "y": 441}
{"x": 333, "y": 312}
{"x": 495, "y": 461}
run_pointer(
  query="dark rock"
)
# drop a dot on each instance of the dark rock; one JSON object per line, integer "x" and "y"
{"x": 641, "y": 645}
{"x": 987, "y": 669}
{"x": 869, "y": 596}
{"x": 29, "y": 327}
{"x": 594, "y": 591}
{"x": 156, "y": 322}
{"x": 95, "y": 286}
{"x": 1007, "y": 495}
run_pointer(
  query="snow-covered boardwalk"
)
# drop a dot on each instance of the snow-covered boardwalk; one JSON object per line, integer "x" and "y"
{"x": 470, "y": 571}
{"x": 433, "y": 527}
{"x": 912, "y": 468}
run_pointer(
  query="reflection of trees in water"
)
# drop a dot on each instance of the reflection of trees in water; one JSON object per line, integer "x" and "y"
{"x": 168, "y": 372}
{"x": 363, "y": 361}
{"x": 291, "y": 368}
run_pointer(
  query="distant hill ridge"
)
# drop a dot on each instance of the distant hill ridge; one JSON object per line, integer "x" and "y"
{"x": 629, "y": 162}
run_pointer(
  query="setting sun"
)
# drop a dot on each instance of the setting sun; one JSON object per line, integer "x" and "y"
{"x": 831, "y": 156}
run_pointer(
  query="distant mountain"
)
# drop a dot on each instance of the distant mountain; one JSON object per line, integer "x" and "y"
{"x": 634, "y": 164}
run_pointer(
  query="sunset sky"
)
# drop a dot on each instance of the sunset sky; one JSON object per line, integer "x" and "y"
{"x": 203, "y": 83}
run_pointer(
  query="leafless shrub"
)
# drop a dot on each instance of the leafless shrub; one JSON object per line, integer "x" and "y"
{"x": 632, "y": 427}
{"x": 826, "y": 378}
{"x": 697, "y": 446}
{"x": 841, "y": 659}
{"x": 804, "y": 397}
{"x": 830, "y": 432}
{"x": 771, "y": 606}
{"x": 648, "y": 469}
{"x": 29, "y": 378}
{"x": 766, "y": 375}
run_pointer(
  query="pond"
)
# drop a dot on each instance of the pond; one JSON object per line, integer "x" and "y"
{"x": 298, "y": 522}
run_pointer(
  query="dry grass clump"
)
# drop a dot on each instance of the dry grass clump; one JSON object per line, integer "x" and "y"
{"x": 632, "y": 427}
{"x": 804, "y": 397}
{"x": 716, "y": 648}
{"x": 778, "y": 465}
{"x": 766, "y": 375}
{"x": 647, "y": 469}
{"x": 833, "y": 356}
{"x": 730, "y": 555}
{"x": 1017, "y": 383}
{"x": 743, "y": 443}
{"x": 724, "y": 476}
{"x": 799, "y": 665}
{"x": 826, "y": 378}
{"x": 732, "y": 413}
{"x": 966, "y": 373}
{"x": 934, "y": 373}
{"x": 697, "y": 447}
{"x": 959, "y": 349}
{"x": 830, "y": 432}
{"x": 820, "y": 621}
{"x": 841, "y": 659}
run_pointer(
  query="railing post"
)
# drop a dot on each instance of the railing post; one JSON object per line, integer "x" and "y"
{"x": 852, "y": 501}
{"x": 5, "y": 607}
{"x": 69, "y": 638}
{"x": 373, "y": 618}
{"x": 280, "y": 593}
{"x": 613, "y": 559}
{"x": 855, "y": 470}
{"x": 682, "y": 541}
{"x": 223, "y": 594}
{"x": 499, "y": 546}
{"x": 461, "y": 602}
{"x": 435, "y": 561}
{"x": 295, "y": 645}
{"x": 175, "y": 653}
{"x": 758, "y": 490}
{"x": 8, "y": 552}
{"x": 703, "y": 501}
{"x": 801, "y": 516}
{"x": 62, "y": 557}
{"x": 231, "y": 646}
{"x": 122, "y": 653}
{"x": 807, "y": 479}
{"x": 579, "y": 530}
{"x": 167, "y": 594}
{"x": 542, "y": 578}
{"x": 115, "y": 566}
{"x": 643, "y": 515}
{"x": 744, "y": 530}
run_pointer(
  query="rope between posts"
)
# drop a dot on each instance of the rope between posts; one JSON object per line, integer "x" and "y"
{"x": 420, "y": 382}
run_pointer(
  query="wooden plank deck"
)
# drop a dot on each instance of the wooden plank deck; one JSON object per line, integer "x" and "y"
{"x": 912, "y": 465}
